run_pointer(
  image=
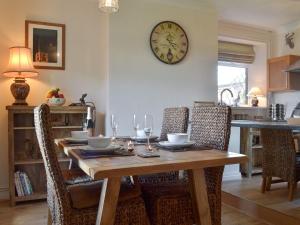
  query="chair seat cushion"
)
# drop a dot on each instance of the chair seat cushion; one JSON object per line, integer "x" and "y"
{"x": 87, "y": 195}
{"x": 75, "y": 176}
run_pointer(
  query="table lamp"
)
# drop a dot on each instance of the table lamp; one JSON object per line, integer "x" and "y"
{"x": 254, "y": 93}
{"x": 20, "y": 66}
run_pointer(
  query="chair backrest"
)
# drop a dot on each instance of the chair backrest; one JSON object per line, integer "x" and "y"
{"x": 279, "y": 154}
{"x": 57, "y": 196}
{"x": 210, "y": 126}
{"x": 204, "y": 103}
{"x": 175, "y": 120}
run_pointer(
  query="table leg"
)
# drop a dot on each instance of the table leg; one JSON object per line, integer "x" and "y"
{"x": 108, "y": 201}
{"x": 250, "y": 153}
{"x": 246, "y": 136}
{"x": 198, "y": 189}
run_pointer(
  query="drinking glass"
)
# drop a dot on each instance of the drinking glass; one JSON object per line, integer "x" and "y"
{"x": 136, "y": 124}
{"x": 148, "y": 129}
{"x": 114, "y": 127}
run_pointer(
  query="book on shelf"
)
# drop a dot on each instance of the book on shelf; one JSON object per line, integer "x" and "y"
{"x": 23, "y": 184}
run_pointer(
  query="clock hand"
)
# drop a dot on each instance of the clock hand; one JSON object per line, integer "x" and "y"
{"x": 173, "y": 45}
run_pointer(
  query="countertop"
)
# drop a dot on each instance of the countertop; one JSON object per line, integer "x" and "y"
{"x": 264, "y": 124}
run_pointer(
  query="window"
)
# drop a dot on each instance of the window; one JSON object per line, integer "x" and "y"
{"x": 234, "y": 78}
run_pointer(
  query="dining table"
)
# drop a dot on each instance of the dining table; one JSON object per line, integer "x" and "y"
{"x": 248, "y": 128}
{"x": 112, "y": 169}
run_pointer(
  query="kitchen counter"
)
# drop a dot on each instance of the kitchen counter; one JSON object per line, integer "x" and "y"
{"x": 264, "y": 124}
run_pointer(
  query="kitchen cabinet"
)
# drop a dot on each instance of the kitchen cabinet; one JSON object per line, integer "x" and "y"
{"x": 278, "y": 79}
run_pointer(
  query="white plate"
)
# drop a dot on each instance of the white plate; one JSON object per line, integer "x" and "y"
{"x": 144, "y": 138}
{"x": 108, "y": 148}
{"x": 76, "y": 140}
{"x": 176, "y": 145}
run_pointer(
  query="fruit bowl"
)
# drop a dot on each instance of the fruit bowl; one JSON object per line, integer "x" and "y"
{"x": 56, "y": 101}
{"x": 55, "y": 98}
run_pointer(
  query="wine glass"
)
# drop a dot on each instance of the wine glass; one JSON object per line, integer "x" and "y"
{"x": 148, "y": 129}
{"x": 114, "y": 127}
{"x": 136, "y": 124}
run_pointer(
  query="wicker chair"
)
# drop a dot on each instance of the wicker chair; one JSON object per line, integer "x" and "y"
{"x": 175, "y": 120}
{"x": 280, "y": 159}
{"x": 171, "y": 203}
{"x": 78, "y": 204}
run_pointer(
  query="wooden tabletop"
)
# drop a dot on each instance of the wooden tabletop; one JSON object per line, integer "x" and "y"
{"x": 100, "y": 168}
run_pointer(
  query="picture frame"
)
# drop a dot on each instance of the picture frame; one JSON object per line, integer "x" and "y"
{"x": 47, "y": 44}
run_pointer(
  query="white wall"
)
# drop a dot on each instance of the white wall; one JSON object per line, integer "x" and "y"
{"x": 140, "y": 83}
{"x": 289, "y": 99}
{"x": 86, "y": 57}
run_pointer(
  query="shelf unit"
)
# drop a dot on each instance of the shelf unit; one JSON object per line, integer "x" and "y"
{"x": 57, "y": 127}
{"x": 250, "y": 141}
{"x": 24, "y": 153}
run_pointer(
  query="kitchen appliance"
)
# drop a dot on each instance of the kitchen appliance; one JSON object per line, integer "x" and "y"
{"x": 277, "y": 112}
{"x": 296, "y": 111}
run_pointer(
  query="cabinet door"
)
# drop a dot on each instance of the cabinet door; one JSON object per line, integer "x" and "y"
{"x": 277, "y": 77}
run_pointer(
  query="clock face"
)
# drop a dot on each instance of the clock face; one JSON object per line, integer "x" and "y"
{"x": 169, "y": 42}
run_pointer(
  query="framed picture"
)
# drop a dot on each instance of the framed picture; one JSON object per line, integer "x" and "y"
{"x": 47, "y": 44}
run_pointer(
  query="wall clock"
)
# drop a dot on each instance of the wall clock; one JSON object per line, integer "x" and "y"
{"x": 169, "y": 42}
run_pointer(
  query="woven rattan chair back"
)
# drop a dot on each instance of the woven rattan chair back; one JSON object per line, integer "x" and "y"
{"x": 279, "y": 154}
{"x": 204, "y": 103}
{"x": 57, "y": 197}
{"x": 175, "y": 120}
{"x": 211, "y": 126}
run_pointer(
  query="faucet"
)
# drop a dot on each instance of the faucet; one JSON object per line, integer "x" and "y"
{"x": 222, "y": 92}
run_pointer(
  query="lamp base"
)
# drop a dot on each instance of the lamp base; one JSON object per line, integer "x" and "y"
{"x": 20, "y": 90}
{"x": 254, "y": 102}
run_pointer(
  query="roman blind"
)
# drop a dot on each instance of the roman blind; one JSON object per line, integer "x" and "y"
{"x": 236, "y": 52}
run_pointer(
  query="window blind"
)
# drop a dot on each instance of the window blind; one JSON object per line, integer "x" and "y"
{"x": 236, "y": 52}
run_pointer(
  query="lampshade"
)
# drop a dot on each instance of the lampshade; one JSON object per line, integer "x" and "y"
{"x": 255, "y": 91}
{"x": 109, "y": 6}
{"x": 20, "y": 63}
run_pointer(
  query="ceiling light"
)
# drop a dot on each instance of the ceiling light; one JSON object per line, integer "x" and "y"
{"x": 109, "y": 6}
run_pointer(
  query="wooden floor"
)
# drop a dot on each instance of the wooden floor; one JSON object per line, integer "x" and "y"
{"x": 36, "y": 214}
{"x": 275, "y": 203}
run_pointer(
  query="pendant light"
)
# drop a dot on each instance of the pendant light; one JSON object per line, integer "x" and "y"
{"x": 109, "y": 6}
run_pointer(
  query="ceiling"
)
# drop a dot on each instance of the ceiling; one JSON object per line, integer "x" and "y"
{"x": 271, "y": 14}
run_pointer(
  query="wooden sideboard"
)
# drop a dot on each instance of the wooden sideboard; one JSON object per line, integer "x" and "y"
{"x": 24, "y": 153}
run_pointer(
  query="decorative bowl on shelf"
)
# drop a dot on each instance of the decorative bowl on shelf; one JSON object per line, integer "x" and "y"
{"x": 56, "y": 101}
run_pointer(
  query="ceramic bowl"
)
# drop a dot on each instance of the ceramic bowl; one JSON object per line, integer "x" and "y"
{"x": 56, "y": 101}
{"x": 99, "y": 142}
{"x": 79, "y": 134}
{"x": 178, "y": 138}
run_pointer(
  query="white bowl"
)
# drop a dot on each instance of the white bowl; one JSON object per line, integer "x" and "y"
{"x": 79, "y": 134}
{"x": 56, "y": 101}
{"x": 178, "y": 138}
{"x": 99, "y": 142}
